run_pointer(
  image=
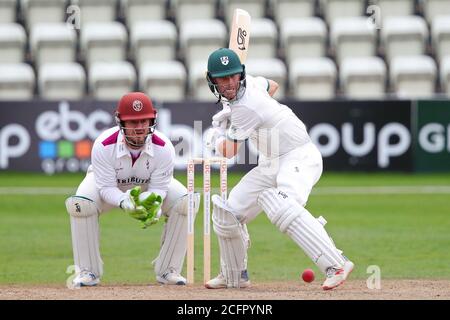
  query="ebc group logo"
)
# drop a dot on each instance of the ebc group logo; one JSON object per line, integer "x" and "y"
{"x": 66, "y": 137}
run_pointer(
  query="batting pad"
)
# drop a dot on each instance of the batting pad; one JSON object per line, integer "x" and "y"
{"x": 302, "y": 227}
{"x": 173, "y": 239}
{"x": 85, "y": 234}
{"x": 233, "y": 242}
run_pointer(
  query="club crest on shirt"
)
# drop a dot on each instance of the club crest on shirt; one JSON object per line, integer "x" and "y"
{"x": 137, "y": 105}
{"x": 224, "y": 60}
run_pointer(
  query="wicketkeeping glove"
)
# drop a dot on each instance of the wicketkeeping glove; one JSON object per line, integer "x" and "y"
{"x": 147, "y": 207}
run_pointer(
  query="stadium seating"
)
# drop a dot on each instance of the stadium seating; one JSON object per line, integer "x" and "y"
{"x": 163, "y": 80}
{"x": 143, "y": 10}
{"x": 153, "y": 41}
{"x": 335, "y": 9}
{"x": 111, "y": 80}
{"x": 351, "y": 37}
{"x": 198, "y": 38}
{"x": 7, "y": 11}
{"x": 285, "y": 9}
{"x": 197, "y": 85}
{"x": 12, "y": 43}
{"x": 264, "y": 39}
{"x": 413, "y": 76}
{"x": 193, "y": 9}
{"x": 434, "y": 8}
{"x": 272, "y": 69}
{"x": 363, "y": 77}
{"x": 96, "y": 10}
{"x": 313, "y": 78}
{"x": 404, "y": 36}
{"x": 181, "y": 34}
{"x": 64, "y": 81}
{"x": 440, "y": 29}
{"x": 52, "y": 42}
{"x": 17, "y": 81}
{"x": 103, "y": 42}
{"x": 445, "y": 75}
{"x": 394, "y": 8}
{"x": 256, "y": 8}
{"x": 42, "y": 11}
{"x": 303, "y": 38}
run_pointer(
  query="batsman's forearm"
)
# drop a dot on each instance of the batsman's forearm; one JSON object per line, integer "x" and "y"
{"x": 228, "y": 148}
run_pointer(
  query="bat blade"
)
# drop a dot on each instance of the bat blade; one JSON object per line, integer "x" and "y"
{"x": 240, "y": 33}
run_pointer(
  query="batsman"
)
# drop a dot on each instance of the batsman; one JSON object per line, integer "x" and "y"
{"x": 132, "y": 169}
{"x": 289, "y": 165}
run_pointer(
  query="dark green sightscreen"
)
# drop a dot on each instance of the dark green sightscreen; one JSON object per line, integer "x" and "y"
{"x": 431, "y": 136}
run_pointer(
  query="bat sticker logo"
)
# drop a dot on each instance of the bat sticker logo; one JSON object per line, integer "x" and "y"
{"x": 242, "y": 34}
{"x": 224, "y": 60}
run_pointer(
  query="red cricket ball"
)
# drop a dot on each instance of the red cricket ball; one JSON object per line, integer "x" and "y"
{"x": 308, "y": 275}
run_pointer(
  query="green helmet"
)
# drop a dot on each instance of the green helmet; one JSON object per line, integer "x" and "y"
{"x": 224, "y": 62}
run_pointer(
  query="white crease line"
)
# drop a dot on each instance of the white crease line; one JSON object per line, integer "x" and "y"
{"x": 36, "y": 190}
{"x": 382, "y": 190}
{"x": 319, "y": 191}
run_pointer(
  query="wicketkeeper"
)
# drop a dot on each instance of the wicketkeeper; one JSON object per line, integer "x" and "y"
{"x": 289, "y": 165}
{"x": 132, "y": 169}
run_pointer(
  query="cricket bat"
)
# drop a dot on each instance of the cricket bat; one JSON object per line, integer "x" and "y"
{"x": 240, "y": 33}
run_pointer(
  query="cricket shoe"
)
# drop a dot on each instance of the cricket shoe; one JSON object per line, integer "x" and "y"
{"x": 171, "y": 277}
{"x": 337, "y": 276}
{"x": 220, "y": 282}
{"x": 85, "y": 279}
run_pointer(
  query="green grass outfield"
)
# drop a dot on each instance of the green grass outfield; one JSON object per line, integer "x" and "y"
{"x": 405, "y": 231}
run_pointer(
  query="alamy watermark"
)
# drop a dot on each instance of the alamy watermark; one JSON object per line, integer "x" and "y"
{"x": 374, "y": 20}
{"x": 73, "y": 17}
{"x": 374, "y": 280}
{"x": 73, "y": 270}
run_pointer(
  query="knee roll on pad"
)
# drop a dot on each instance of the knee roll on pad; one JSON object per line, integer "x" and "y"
{"x": 278, "y": 208}
{"x": 85, "y": 234}
{"x": 225, "y": 223}
{"x": 181, "y": 205}
{"x": 227, "y": 230}
{"x": 79, "y": 207}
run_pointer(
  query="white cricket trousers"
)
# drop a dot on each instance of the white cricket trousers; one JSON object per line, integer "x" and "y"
{"x": 294, "y": 173}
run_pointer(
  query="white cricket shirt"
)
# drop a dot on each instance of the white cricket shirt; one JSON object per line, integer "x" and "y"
{"x": 116, "y": 171}
{"x": 269, "y": 125}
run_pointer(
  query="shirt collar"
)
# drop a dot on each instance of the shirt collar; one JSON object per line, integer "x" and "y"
{"x": 148, "y": 148}
{"x": 122, "y": 149}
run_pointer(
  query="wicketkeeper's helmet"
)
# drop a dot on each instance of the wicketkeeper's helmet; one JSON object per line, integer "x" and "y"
{"x": 135, "y": 106}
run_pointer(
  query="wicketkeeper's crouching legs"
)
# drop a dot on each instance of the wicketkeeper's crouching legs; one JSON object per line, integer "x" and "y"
{"x": 84, "y": 209}
{"x": 169, "y": 263}
{"x": 84, "y": 215}
{"x": 294, "y": 220}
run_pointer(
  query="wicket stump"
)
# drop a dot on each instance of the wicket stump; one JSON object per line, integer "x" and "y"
{"x": 206, "y": 162}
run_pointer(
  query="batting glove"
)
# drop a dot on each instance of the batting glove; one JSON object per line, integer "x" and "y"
{"x": 212, "y": 135}
{"x": 220, "y": 119}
